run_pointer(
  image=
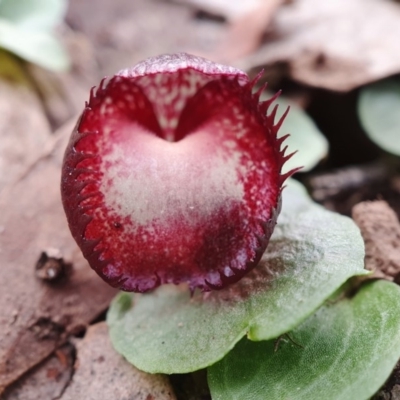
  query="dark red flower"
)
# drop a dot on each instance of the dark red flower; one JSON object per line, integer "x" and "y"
{"x": 173, "y": 174}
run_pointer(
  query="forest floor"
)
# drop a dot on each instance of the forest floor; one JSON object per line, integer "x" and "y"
{"x": 53, "y": 339}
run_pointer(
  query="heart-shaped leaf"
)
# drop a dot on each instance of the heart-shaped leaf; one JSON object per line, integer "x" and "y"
{"x": 346, "y": 350}
{"x": 379, "y": 112}
{"x": 312, "y": 252}
{"x": 305, "y": 137}
{"x": 25, "y": 29}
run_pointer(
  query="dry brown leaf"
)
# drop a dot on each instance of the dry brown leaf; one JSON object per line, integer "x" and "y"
{"x": 63, "y": 94}
{"x": 125, "y": 32}
{"x": 336, "y": 45}
{"x": 231, "y": 10}
{"x": 245, "y": 31}
{"x": 247, "y": 22}
{"x": 24, "y": 129}
{"x": 100, "y": 369}
{"x": 36, "y": 315}
{"x": 46, "y": 381}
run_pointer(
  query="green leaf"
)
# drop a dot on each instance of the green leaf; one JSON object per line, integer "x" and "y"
{"x": 344, "y": 351}
{"x": 33, "y": 15}
{"x": 311, "y": 254}
{"x": 25, "y": 29}
{"x": 37, "y": 47}
{"x": 379, "y": 112}
{"x": 305, "y": 137}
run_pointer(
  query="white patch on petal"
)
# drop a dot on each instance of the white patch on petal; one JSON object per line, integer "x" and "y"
{"x": 147, "y": 178}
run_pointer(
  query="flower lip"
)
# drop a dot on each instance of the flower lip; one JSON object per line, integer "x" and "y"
{"x": 172, "y": 175}
{"x": 170, "y": 63}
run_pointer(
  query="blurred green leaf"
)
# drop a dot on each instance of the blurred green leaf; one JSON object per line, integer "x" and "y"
{"x": 305, "y": 137}
{"x": 379, "y": 112}
{"x": 311, "y": 254}
{"x": 345, "y": 351}
{"x": 25, "y": 29}
{"x": 35, "y": 15}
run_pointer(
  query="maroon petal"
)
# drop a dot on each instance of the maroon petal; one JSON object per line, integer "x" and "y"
{"x": 172, "y": 175}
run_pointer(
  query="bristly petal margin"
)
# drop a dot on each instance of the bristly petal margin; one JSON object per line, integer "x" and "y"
{"x": 173, "y": 175}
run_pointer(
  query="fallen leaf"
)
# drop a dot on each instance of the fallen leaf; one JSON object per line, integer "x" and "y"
{"x": 247, "y": 22}
{"x": 231, "y": 10}
{"x": 36, "y": 316}
{"x": 333, "y": 45}
{"x": 125, "y": 32}
{"x": 24, "y": 130}
{"x": 47, "y": 380}
{"x": 63, "y": 94}
{"x": 245, "y": 32}
{"x": 100, "y": 369}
